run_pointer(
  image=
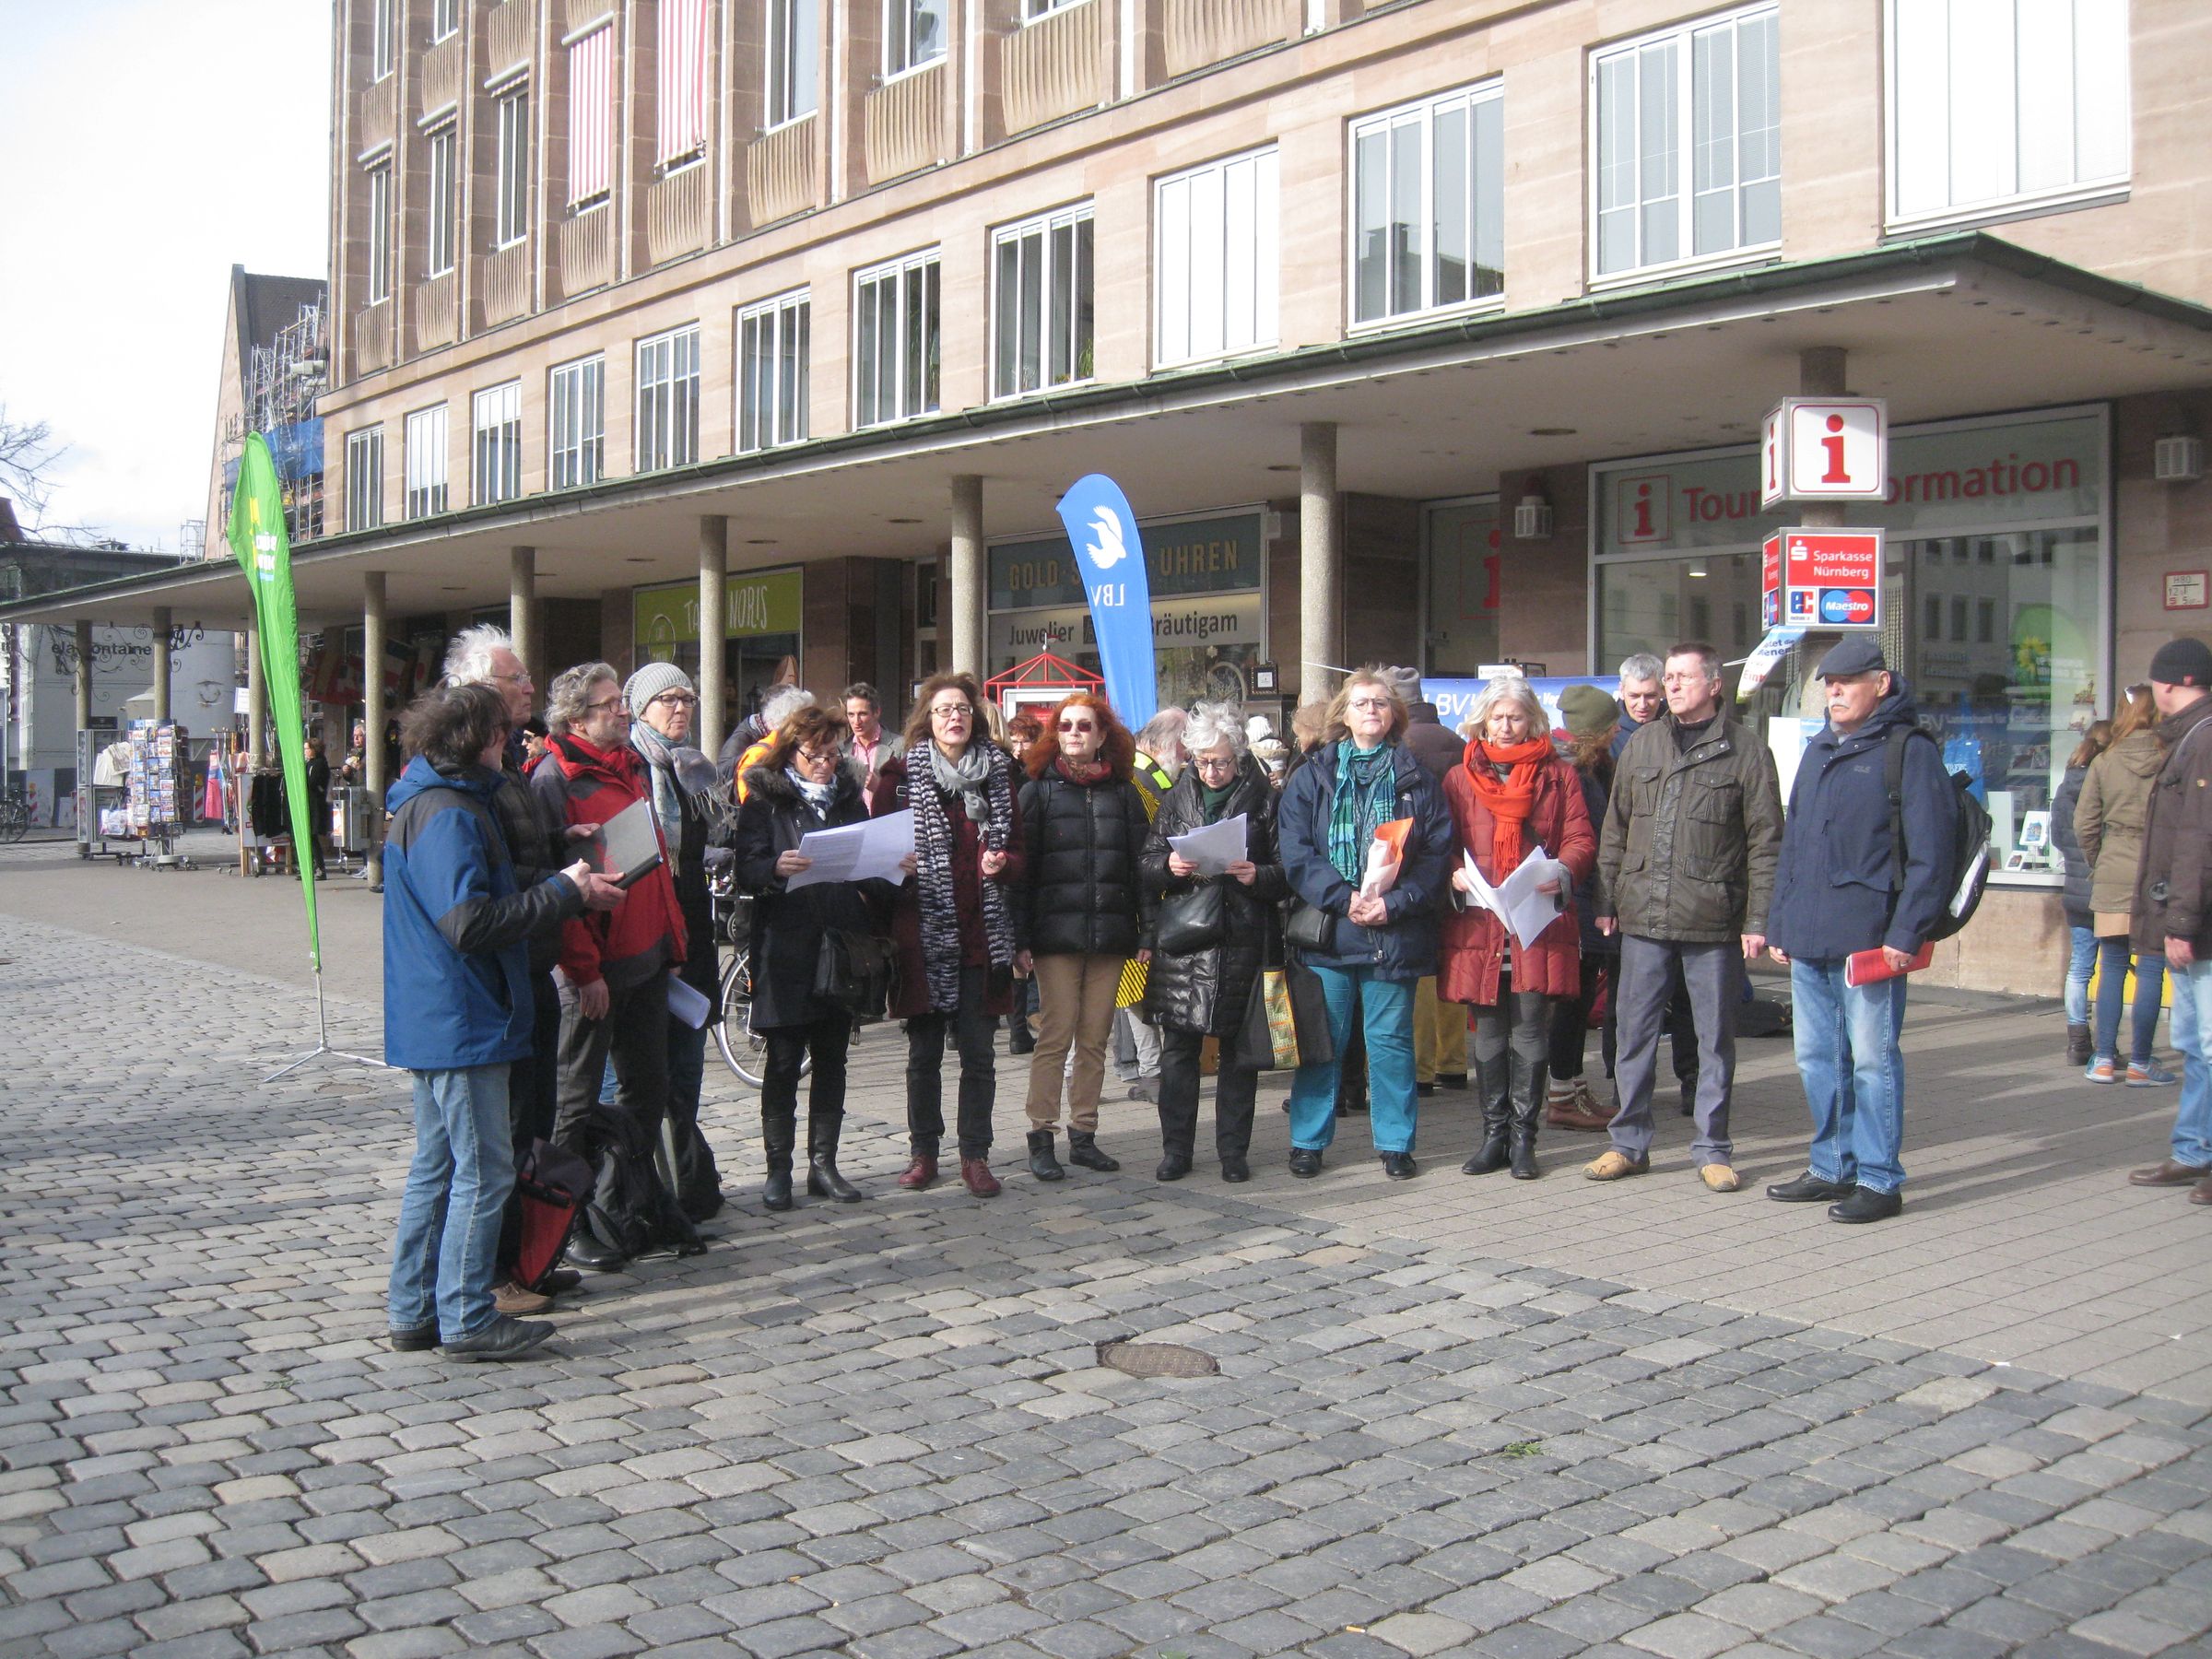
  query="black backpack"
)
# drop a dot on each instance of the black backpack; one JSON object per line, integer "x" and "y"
{"x": 1969, "y": 841}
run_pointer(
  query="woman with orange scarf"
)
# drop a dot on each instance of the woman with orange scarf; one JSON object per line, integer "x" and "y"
{"x": 1510, "y": 795}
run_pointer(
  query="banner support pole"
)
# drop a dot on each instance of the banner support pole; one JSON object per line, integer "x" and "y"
{"x": 323, "y": 1049}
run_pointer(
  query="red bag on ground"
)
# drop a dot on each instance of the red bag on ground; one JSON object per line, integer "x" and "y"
{"x": 553, "y": 1186}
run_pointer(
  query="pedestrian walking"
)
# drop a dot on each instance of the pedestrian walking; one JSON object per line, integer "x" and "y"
{"x": 1586, "y": 744}
{"x": 2109, "y": 823}
{"x": 2081, "y": 931}
{"x": 1686, "y": 872}
{"x": 1845, "y": 887}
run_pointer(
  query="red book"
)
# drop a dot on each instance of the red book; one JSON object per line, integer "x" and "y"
{"x": 1871, "y": 968}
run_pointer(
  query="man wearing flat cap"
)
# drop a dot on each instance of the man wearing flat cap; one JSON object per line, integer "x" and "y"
{"x": 2172, "y": 911}
{"x": 1845, "y": 887}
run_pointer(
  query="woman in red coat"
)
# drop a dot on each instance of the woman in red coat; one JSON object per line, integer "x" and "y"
{"x": 1510, "y": 795}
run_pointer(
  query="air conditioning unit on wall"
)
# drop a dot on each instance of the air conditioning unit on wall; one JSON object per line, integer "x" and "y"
{"x": 2178, "y": 460}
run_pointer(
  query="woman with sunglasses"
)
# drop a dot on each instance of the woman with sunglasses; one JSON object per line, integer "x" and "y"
{"x": 801, "y": 784}
{"x": 955, "y": 923}
{"x": 1084, "y": 827}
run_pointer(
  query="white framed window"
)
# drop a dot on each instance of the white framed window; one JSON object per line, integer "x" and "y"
{"x": 680, "y": 67}
{"x": 438, "y": 232}
{"x": 380, "y": 232}
{"x": 1995, "y": 105}
{"x": 895, "y": 340}
{"x": 511, "y": 197}
{"x": 383, "y": 38}
{"x": 365, "y": 479}
{"x": 1688, "y": 144}
{"x": 914, "y": 34}
{"x": 668, "y": 399}
{"x": 1216, "y": 258}
{"x": 773, "y": 341}
{"x": 1040, "y": 303}
{"x": 445, "y": 19}
{"x": 1428, "y": 205}
{"x": 591, "y": 117}
{"x": 794, "y": 54}
{"x": 425, "y": 462}
{"x": 1033, "y": 9}
{"x": 576, "y": 399}
{"x": 496, "y": 425}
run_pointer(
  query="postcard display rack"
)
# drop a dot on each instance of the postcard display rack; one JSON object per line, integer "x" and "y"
{"x": 153, "y": 811}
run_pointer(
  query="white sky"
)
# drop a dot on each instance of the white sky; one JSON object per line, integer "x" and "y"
{"x": 146, "y": 147}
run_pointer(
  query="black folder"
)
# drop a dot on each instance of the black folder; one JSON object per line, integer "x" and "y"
{"x": 627, "y": 845}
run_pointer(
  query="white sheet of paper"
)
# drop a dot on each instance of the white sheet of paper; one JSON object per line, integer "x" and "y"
{"x": 1216, "y": 846}
{"x": 1515, "y": 901}
{"x": 868, "y": 851}
{"x": 687, "y": 1004}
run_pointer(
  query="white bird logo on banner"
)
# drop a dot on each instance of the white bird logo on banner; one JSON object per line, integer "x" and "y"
{"x": 1106, "y": 550}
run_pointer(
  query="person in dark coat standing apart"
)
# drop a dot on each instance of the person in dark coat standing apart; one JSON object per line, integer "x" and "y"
{"x": 805, "y": 783}
{"x": 318, "y": 804}
{"x": 457, "y": 1015}
{"x": 1838, "y": 892}
{"x": 1197, "y": 994}
{"x": 1685, "y": 871}
{"x": 1083, "y": 829}
{"x": 2173, "y": 902}
{"x": 955, "y": 923}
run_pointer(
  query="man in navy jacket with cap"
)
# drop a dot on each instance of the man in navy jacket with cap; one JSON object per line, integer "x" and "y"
{"x": 1839, "y": 891}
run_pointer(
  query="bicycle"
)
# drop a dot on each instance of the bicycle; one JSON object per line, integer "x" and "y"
{"x": 744, "y": 1049}
{"x": 15, "y": 816}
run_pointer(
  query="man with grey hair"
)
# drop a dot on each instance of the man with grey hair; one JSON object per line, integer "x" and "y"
{"x": 1641, "y": 698}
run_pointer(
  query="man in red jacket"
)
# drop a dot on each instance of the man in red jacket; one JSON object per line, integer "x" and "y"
{"x": 614, "y": 968}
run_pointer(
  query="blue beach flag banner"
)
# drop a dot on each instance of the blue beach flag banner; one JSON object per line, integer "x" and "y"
{"x": 1110, "y": 554}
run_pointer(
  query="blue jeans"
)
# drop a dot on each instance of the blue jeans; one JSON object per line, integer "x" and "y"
{"x": 449, "y": 1217}
{"x": 2192, "y": 1031}
{"x": 2112, "y": 986}
{"x": 1385, "y": 1011}
{"x": 2081, "y": 958}
{"x": 1855, "y": 1072}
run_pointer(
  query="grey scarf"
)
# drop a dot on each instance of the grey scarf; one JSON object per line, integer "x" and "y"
{"x": 665, "y": 764}
{"x": 966, "y": 780}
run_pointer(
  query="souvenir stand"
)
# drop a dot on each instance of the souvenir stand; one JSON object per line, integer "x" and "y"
{"x": 152, "y": 814}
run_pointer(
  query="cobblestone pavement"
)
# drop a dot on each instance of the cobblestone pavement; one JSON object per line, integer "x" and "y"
{"x": 882, "y": 1431}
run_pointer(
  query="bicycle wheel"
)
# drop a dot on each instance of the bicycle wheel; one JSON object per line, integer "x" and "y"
{"x": 15, "y": 818}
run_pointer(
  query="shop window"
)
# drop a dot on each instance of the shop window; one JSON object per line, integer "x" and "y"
{"x": 895, "y": 340}
{"x": 438, "y": 232}
{"x": 365, "y": 479}
{"x": 1463, "y": 546}
{"x": 1215, "y": 258}
{"x": 576, "y": 393}
{"x": 1688, "y": 144}
{"x": 425, "y": 462}
{"x": 511, "y": 195}
{"x": 914, "y": 34}
{"x": 1996, "y": 105}
{"x": 668, "y": 399}
{"x": 772, "y": 389}
{"x": 1428, "y": 218}
{"x": 795, "y": 50}
{"x": 1041, "y": 298}
{"x": 497, "y": 427}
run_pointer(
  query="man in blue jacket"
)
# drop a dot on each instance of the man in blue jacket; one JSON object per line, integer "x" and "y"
{"x": 457, "y": 1014}
{"x": 1845, "y": 887}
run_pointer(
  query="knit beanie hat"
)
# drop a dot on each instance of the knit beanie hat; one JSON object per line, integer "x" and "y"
{"x": 650, "y": 681}
{"x": 1587, "y": 711}
{"x": 2182, "y": 662}
{"x": 1405, "y": 682}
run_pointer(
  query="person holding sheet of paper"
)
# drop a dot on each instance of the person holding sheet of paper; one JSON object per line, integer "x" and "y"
{"x": 804, "y": 782}
{"x": 1512, "y": 795}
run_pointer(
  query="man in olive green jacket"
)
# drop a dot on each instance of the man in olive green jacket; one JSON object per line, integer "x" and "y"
{"x": 1685, "y": 873}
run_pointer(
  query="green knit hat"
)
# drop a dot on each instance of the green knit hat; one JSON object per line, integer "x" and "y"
{"x": 1587, "y": 711}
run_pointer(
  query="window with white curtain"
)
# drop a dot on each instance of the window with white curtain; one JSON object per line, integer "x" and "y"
{"x": 496, "y": 427}
{"x": 668, "y": 399}
{"x": 1041, "y": 300}
{"x": 365, "y": 479}
{"x": 895, "y": 340}
{"x": 1999, "y": 105}
{"x": 576, "y": 421}
{"x": 1427, "y": 215}
{"x": 425, "y": 462}
{"x": 1688, "y": 144}
{"x": 794, "y": 51}
{"x": 773, "y": 339}
{"x": 1216, "y": 258}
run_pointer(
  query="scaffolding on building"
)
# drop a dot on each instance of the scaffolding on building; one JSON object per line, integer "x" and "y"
{"x": 284, "y": 378}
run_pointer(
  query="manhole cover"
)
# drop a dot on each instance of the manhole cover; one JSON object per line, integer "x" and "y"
{"x": 1157, "y": 1359}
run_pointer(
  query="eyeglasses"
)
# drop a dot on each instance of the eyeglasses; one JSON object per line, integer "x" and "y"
{"x": 1212, "y": 763}
{"x": 512, "y": 680}
{"x": 952, "y": 712}
{"x": 605, "y": 702}
{"x": 1368, "y": 702}
{"x": 1078, "y": 726}
{"x": 677, "y": 699}
{"x": 817, "y": 757}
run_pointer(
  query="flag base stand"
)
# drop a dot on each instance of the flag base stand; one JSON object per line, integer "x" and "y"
{"x": 323, "y": 1050}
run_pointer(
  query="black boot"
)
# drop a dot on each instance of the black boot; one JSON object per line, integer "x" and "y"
{"x": 2078, "y": 1046}
{"x": 1527, "y": 1104}
{"x": 1083, "y": 1149}
{"x": 1023, "y": 1041}
{"x": 1490, "y": 1080}
{"x": 777, "y": 1135}
{"x": 1042, "y": 1164}
{"x": 822, "y": 1179}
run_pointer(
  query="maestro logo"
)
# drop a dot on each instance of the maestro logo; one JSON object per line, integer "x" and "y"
{"x": 1846, "y": 605}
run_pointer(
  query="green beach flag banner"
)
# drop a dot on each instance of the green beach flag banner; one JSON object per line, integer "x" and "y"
{"x": 258, "y": 539}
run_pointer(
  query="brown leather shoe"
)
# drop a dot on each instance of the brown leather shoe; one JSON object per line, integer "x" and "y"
{"x": 512, "y": 1299}
{"x": 2167, "y": 1173}
{"x": 919, "y": 1174}
{"x": 2202, "y": 1192}
{"x": 977, "y": 1177}
{"x": 1577, "y": 1109}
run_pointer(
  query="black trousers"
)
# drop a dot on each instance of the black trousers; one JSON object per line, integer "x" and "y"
{"x": 828, "y": 1041}
{"x": 1235, "y": 1087}
{"x": 973, "y": 1028}
{"x": 533, "y": 1096}
{"x": 636, "y": 1033}
{"x": 1571, "y": 1022}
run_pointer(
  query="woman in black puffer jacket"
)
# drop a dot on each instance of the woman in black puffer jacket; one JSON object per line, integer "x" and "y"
{"x": 1199, "y": 994}
{"x": 1083, "y": 827}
